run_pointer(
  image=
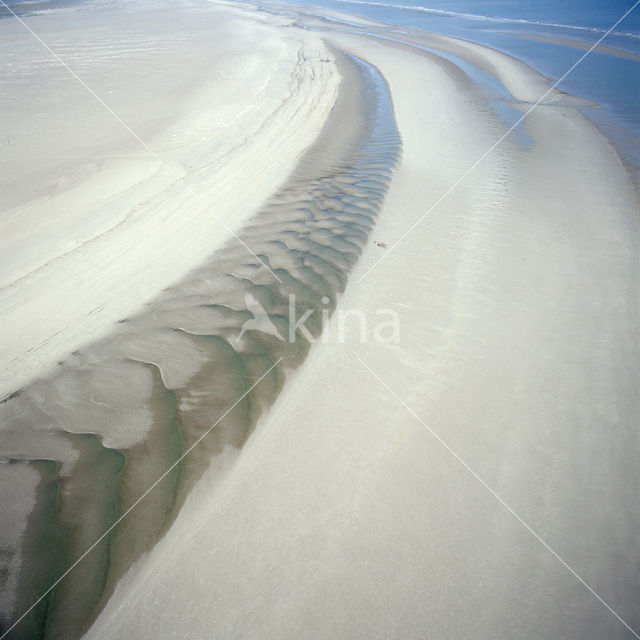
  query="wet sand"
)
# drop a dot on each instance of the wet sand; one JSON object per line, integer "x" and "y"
{"x": 347, "y": 512}
{"x": 583, "y": 45}
{"x": 322, "y": 505}
{"x": 178, "y": 365}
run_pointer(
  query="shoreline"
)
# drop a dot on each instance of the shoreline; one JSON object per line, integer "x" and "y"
{"x": 363, "y": 505}
{"x": 323, "y": 500}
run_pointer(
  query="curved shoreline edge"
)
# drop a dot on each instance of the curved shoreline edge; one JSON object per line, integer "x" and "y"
{"x": 518, "y": 298}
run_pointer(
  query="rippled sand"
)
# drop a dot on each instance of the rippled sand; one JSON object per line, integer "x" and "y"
{"x": 133, "y": 403}
{"x": 460, "y": 481}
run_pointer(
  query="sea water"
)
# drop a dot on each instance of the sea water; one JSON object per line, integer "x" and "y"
{"x": 612, "y": 82}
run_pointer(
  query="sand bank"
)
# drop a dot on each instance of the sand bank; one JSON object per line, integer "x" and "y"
{"x": 343, "y": 516}
{"x": 104, "y": 209}
{"x": 130, "y": 404}
{"x": 115, "y": 189}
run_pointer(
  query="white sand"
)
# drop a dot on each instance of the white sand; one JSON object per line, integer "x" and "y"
{"x": 343, "y": 516}
{"x": 93, "y": 223}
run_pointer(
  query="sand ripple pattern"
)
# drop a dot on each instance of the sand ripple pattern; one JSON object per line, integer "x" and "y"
{"x": 118, "y": 414}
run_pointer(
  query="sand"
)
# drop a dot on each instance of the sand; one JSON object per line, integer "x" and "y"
{"x": 475, "y": 477}
{"x": 352, "y": 511}
{"x": 103, "y": 233}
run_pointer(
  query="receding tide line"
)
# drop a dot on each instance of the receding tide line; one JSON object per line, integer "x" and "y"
{"x": 144, "y": 145}
{"x": 495, "y": 144}
{"x": 141, "y": 498}
{"x": 496, "y": 495}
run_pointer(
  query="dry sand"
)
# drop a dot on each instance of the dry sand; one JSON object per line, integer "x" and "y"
{"x": 90, "y": 236}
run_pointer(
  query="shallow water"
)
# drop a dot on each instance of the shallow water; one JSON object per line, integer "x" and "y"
{"x": 612, "y": 82}
{"x": 129, "y": 407}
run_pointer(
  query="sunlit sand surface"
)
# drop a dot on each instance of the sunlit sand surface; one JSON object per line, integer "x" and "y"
{"x": 476, "y": 476}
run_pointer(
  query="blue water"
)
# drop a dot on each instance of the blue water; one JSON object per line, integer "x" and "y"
{"x": 588, "y": 15}
{"x": 28, "y": 7}
{"x": 589, "y": 18}
{"x": 612, "y": 82}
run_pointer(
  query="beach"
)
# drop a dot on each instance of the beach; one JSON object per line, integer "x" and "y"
{"x": 333, "y": 335}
